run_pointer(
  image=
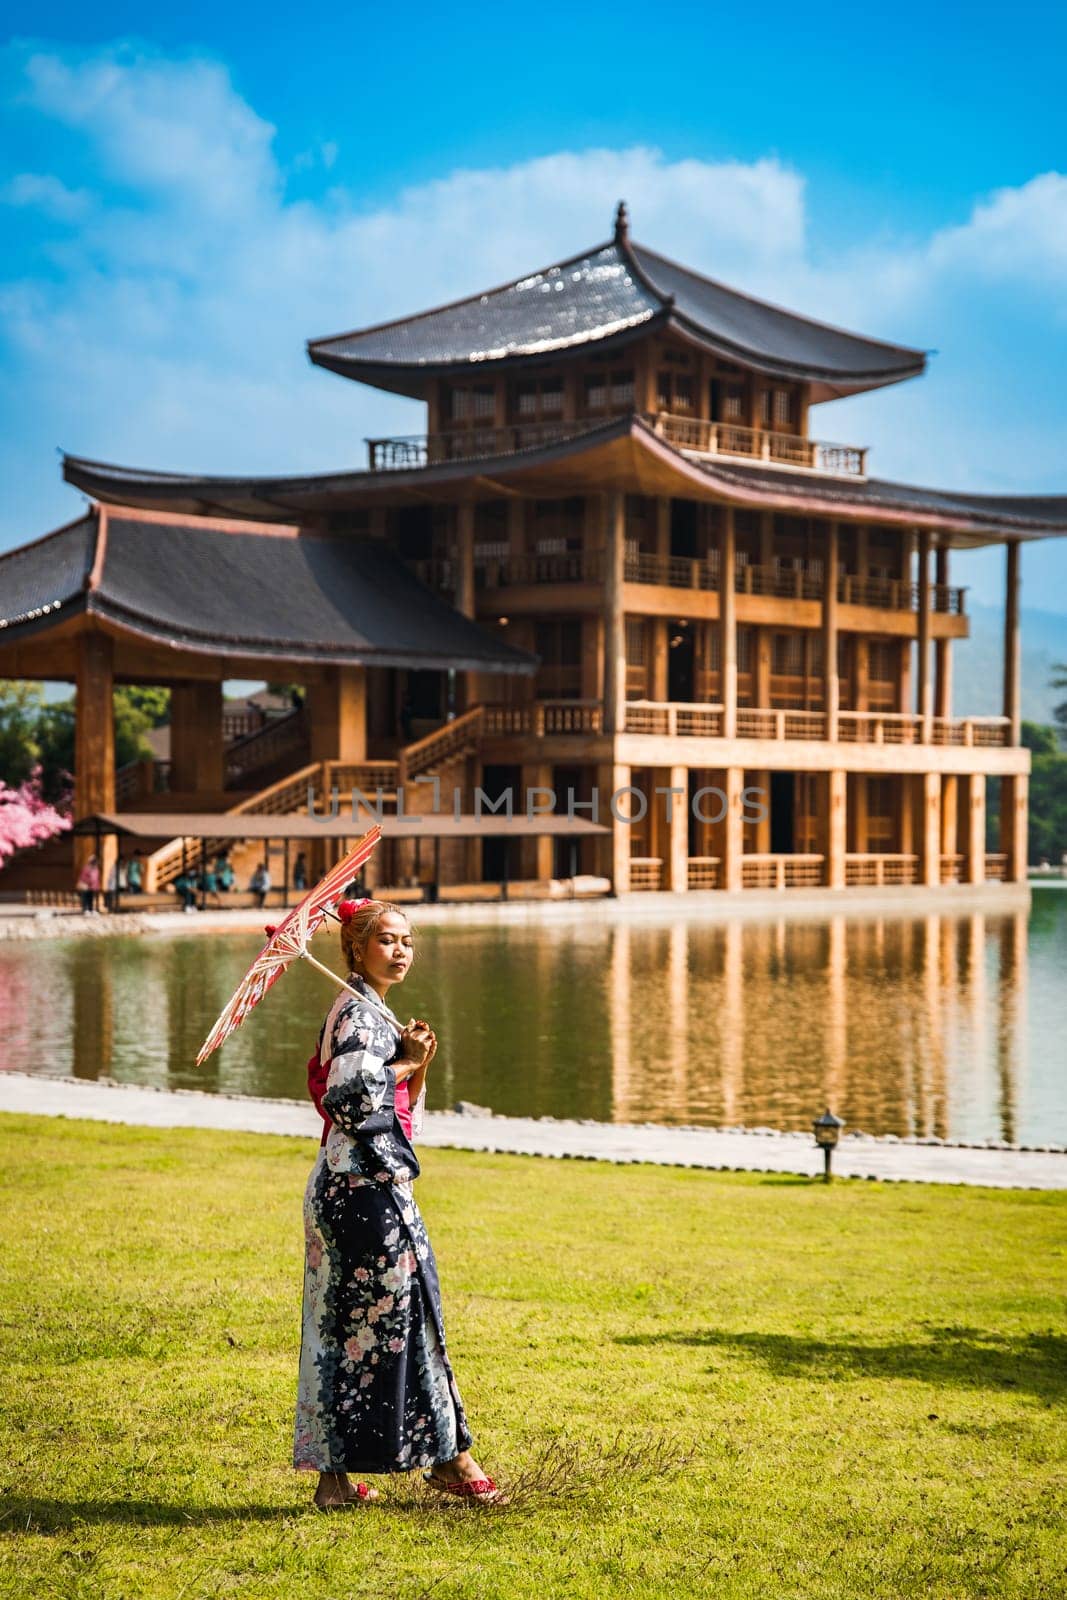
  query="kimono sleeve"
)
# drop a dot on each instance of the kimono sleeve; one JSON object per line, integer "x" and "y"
{"x": 361, "y": 1084}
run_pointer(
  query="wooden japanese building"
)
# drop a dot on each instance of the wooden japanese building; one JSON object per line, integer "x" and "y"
{"x": 620, "y": 561}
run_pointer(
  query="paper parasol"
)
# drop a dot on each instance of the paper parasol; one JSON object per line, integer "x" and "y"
{"x": 288, "y": 942}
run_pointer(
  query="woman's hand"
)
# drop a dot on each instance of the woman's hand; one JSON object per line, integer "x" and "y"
{"x": 417, "y": 1044}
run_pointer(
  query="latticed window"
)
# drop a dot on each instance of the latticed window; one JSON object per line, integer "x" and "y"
{"x": 539, "y": 399}
{"x": 783, "y": 408}
{"x": 476, "y": 403}
{"x": 788, "y": 654}
{"x": 609, "y": 390}
{"x": 636, "y": 642}
{"x": 733, "y": 403}
{"x": 746, "y": 640}
{"x": 881, "y": 660}
{"x": 674, "y": 393}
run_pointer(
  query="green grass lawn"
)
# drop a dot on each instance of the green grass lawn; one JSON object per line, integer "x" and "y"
{"x": 698, "y": 1383}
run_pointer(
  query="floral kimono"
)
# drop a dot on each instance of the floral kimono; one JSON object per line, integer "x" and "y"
{"x": 376, "y": 1391}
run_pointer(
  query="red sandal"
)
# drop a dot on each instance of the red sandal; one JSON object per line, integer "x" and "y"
{"x": 472, "y": 1489}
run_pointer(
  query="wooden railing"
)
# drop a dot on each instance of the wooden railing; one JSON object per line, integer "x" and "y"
{"x": 879, "y": 870}
{"x": 674, "y": 572}
{"x": 471, "y": 444}
{"x": 273, "y": 741}
{"x": 778, "y": 871}
{"x": 447, "y": 743}
{"x": 674, "y": 717}
{"x": 646, "y": 873}
{"x": 138, "y": 779}
{"x": 704, "y": 872}
{"x": 540, "y": 717}
{"x": 782, "y": 580}
{"x": 777, "y": 722}
{"x": 754, "y": 722}
{"x": 996, "y": 866}
{"x": 784, "y": 449}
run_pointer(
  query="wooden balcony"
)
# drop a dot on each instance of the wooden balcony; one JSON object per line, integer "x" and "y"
{"x": 689, "y": 719}
{"x": 692, "y": 434}
{"x": 782, "y": 580}
{"x": 854, "y": 727}
{"x": 702, "y": 438}
{"x": 471, "y": 444}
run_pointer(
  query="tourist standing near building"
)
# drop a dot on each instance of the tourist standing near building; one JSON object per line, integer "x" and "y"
{"x": 134, "y": 874}
{"x": 376, "y": 1390}
{"x": 300, "y": 872}
{"x": 88, "y": 885}
{"x": 116, "y": 883}
{"x": 259, "y": 884}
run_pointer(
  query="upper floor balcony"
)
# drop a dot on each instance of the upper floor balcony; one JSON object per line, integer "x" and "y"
{"x": 694, "y": 435}
{"x": 787, "y": 579}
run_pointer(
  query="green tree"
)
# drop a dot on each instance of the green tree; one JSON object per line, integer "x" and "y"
{"x": 1059, "y": 681}
{"x": 20, "y": 710}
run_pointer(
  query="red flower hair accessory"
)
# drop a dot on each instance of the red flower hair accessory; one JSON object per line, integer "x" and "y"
{"x": 347, "y": 909}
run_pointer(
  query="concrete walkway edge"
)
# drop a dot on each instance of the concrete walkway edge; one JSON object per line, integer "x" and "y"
{"x": 731, "y": 1150}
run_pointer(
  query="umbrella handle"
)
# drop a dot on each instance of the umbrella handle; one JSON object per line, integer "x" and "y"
{"x": 306, "y": 953}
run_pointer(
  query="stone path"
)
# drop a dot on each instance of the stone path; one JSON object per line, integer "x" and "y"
{"x": 857, "y": 1157}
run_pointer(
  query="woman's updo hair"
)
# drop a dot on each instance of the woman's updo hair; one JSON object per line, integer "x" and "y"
{"x": 359, "y": 918}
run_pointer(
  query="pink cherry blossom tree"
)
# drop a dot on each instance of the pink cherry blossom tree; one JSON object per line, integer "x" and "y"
{"x": 26, "y": 818}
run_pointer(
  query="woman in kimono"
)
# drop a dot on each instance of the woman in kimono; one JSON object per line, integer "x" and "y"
{"x": 376, "y": 1390}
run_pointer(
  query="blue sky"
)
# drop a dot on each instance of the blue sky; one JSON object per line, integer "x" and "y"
{"x": 183, "y": 206}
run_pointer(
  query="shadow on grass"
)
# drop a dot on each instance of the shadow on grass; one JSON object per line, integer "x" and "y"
{"x": 39, "y": 1514}
{"x": 965, "y": 1357}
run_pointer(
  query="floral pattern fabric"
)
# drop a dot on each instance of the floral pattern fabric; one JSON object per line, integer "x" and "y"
{"x": 376, "y": 1390}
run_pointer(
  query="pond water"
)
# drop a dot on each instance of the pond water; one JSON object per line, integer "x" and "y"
{"x": 950, "y": 1024}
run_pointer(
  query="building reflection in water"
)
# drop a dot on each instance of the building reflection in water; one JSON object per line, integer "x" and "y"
{"x": 914, "y": 1026}
{"x": 887, "y": 1020}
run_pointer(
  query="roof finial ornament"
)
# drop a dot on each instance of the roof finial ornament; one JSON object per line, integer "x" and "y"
{"x": 622, "y": 224}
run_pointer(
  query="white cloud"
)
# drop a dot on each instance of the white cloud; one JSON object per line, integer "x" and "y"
{"x": 169, "y": 328}
{"x": 42, "y": 192}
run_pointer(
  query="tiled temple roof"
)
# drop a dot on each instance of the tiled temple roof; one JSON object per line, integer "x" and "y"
{"x": 278, "y": 593}
{"x": 611, "y": 293}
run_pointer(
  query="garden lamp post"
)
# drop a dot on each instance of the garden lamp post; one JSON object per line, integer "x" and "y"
{"x": 827, "y": 1132}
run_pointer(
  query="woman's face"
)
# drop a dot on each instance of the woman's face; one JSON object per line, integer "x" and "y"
{"x": 389, "y": 951}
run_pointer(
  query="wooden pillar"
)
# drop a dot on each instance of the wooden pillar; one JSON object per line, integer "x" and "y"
{"x": 1011, "y": 706}
{"x": 831, "y": 688}
{"x": 763, "y": 646}
{"x": 338, "y": 703}
{"x": 592, "y": 658}
{"x": 728, "y": 621}
{"x": 831, "y": 826}
{"x": 924, "y": 701}
{"x": 942, "y": 647}
{"x": 463, "y": 599}
{"x": 196, "y": 745}
{"x": 950, "y": 785}
{"x": 1014, "y": 807}
{"x": 930, "y": 828}
{"x": 861, "y": 680}
{"x": 611, "y": 779}
{"x": 858, "y": 828}
{"x": 678, "y": 832}
{"x": 972, "y": 826}
{"x": 658, "y": 634}
{"x": 614, "y": 509}
{"x": 535, "y": 855}
{"x": 904, "y": 702}
{"x": 94, "y": 742}
{"x": 731, "y": 834}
